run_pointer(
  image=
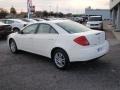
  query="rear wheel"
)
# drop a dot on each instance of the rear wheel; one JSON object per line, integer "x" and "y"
{"x": 60, "y": 59}
{"x": 13, "y": 46}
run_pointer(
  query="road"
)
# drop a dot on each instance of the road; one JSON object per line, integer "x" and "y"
{"x": 26, "y": 71}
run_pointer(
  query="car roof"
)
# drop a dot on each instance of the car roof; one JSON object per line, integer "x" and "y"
{"x": 18, "y": 20}
{"x": 54, "y": 21}
{"x": 50, "y": 22}
{"x": 15, "y": 19}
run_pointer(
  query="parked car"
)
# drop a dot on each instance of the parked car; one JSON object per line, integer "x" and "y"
{"x": 5, "y": 29}
{"x": 63, "y": 41}
{"x": 78, "y": 19}
{"x": 95, "y": 22}
{"x": 16, "y": 24}
{"x": 29, "y": 20}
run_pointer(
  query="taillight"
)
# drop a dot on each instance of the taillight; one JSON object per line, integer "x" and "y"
{"x": 82, "y": 40}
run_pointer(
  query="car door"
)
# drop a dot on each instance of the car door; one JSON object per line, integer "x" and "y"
{"x": 45, "y": 39}
{"x": 26, "y": 38}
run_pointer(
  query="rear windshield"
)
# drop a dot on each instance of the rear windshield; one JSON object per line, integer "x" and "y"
{"x": 25, "y": 20}
{"x": 95, "y": 18}
{"x": 72, "y": 27}
{"x": 36, "y": 19}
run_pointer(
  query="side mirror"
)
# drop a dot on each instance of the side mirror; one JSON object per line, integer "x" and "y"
{"x": 20, "y": 32}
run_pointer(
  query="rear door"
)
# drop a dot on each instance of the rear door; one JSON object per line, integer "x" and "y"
{"x": 45, "y": 39}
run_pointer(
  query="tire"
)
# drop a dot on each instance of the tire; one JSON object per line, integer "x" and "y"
{"x": 60, "y": 59}
{"x": 16, "y": 30}
{"x": 13, "y": 46}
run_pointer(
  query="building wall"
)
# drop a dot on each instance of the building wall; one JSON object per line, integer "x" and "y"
{"x": 115, "y": 13}
{"x": 102, "y": 12}
{"x": 113, "y": 3}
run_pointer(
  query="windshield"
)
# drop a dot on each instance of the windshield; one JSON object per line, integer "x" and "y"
{"x": 95, "y": 19}
{"x": 72, "y": 27}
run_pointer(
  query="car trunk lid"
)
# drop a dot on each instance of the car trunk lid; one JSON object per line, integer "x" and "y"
{"x": 94, "y": 37}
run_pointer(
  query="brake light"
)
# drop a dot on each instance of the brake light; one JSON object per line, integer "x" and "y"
{"x": 82, "y": 40}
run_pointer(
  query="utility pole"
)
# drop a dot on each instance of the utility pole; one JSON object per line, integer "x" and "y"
{"x": 57, "y": 8}
{"x": 50, "y": 7}
{"x": 29, "y": 5}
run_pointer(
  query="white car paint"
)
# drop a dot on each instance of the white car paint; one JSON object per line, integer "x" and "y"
{"x": 43, "y": 44}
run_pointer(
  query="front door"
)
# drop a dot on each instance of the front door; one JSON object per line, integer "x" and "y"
{"x": 26, "y": 38}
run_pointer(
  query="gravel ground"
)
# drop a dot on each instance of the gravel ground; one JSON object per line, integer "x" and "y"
{"x": 26, "y": 71}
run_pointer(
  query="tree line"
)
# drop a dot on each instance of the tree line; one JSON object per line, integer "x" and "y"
{"x": 13, "y": 14}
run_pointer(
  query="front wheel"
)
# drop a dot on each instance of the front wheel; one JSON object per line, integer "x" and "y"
{"x": 13, "y": 46}
{"x": 60, "y": 59}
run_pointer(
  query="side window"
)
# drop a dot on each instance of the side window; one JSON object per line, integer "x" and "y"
{"x": 30, "y": 29}
{"x": 45, "y": 28}
{"x": 53, "y": 31}
{"x": 9, "y": 21}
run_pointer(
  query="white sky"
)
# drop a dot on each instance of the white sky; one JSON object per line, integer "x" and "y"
{"x": 65, "y": 6}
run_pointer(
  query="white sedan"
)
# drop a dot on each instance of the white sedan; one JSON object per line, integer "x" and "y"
{"x": 16, "y": 24}
{"x": 63, "y": 41}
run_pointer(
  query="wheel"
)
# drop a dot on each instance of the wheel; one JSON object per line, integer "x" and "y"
{"x": 13, "y": 46}
{"x": 16, "y": 30}
{"x": 60, "y": 59}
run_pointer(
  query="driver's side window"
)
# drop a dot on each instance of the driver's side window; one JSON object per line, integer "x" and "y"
{"x": 30, "y": 29}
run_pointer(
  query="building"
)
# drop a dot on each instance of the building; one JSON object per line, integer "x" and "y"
{"x": 105, "y": 13}
{"x": 115, "y": 13}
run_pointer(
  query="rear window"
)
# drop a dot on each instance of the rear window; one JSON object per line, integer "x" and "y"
{"x": 95, "y": 18}
{"x": 72, "y": 27}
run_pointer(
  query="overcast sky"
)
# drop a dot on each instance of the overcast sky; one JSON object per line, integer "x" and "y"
{"x": 65, "y": 6}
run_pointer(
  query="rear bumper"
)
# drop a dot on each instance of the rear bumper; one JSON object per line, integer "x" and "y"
{"x": 88, "y": 53}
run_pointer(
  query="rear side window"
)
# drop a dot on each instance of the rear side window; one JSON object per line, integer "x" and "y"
{"x": 45, "y": 28}
{"x": 72, "y": 27}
